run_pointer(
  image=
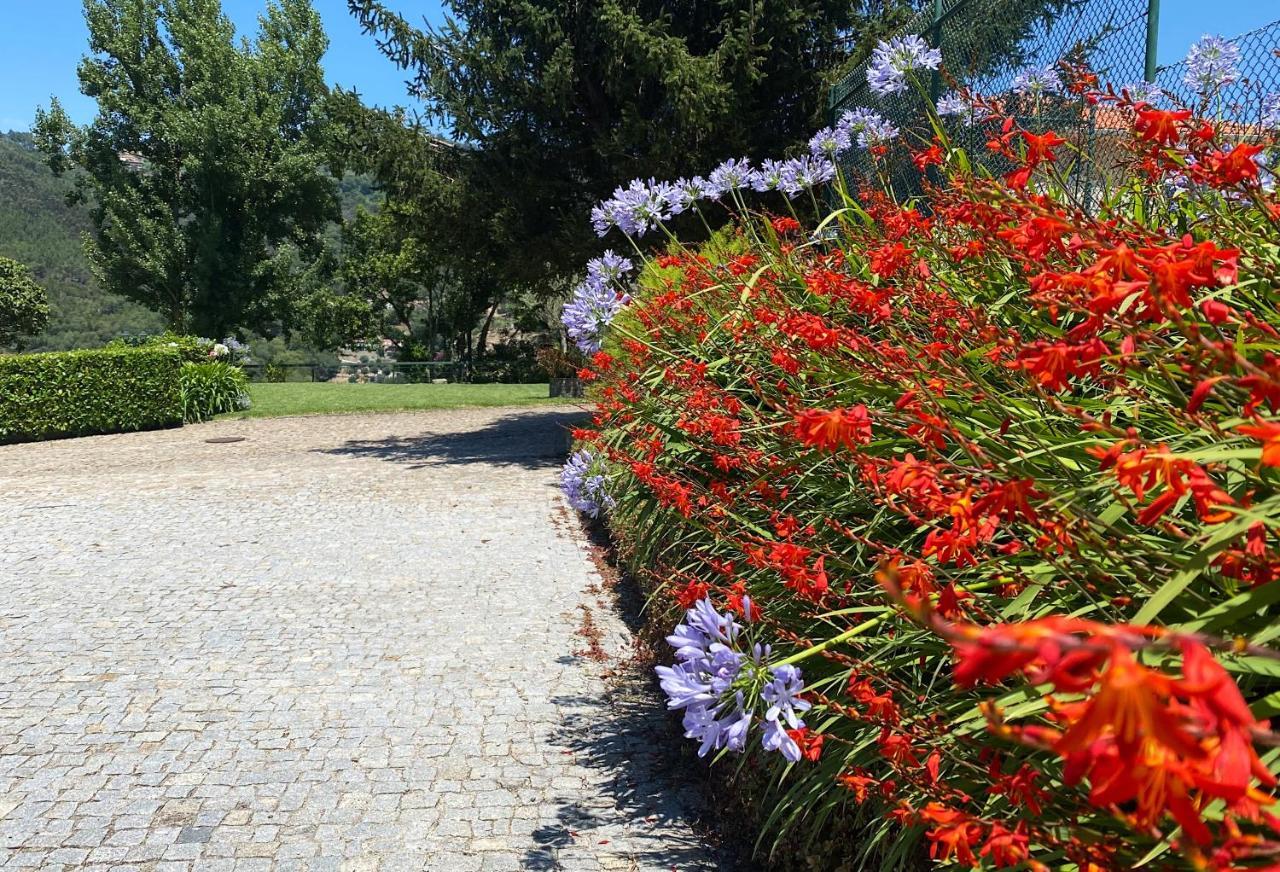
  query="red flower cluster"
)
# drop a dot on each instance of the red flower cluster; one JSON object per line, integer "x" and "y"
{"x": 994, "y": 406}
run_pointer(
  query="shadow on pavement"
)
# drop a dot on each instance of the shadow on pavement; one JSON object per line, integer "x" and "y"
{"x": 533, "y": 440}
{"x": 628, "y": 740}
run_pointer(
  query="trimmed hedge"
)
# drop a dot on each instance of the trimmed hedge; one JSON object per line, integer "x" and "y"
{"x": 81, "y": 393}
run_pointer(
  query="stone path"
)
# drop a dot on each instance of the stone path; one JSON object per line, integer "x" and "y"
{"x": 352, "y": 642}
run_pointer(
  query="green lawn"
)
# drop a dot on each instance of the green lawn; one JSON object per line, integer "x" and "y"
{"x": 300, "y": 398}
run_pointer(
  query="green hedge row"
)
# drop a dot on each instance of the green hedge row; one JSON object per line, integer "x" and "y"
{"x": 81, "y": 393}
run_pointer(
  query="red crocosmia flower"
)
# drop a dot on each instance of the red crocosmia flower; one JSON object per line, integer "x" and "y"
{"x": 1040, "y": 148}
{"x": 1020, "y": 787}
{"x": 889, "y": 260}
{"x": 858, "y": 781}
{"x": 810, "y": 743}
{"x": 896, "y": 748}
{"x": 830, "y": 429}
{"x": 1268, "y": 433}
{"x": 1130, "y": 706}
{"x": 1142, "y": 470}
{"x": 931, "y": 156}
{"x": 1160, "y": 127}
{"x": 1009, "y": 849}
{"x": 953, "y": 834}
{"x": 785, "y": 225}
{"x": 991, "y": 654}
{"x": 690, "y": 594}
{"x": 1053, "y": 364}
{"x": 1224, "y": 169}
{"x": 1215, "y": 697}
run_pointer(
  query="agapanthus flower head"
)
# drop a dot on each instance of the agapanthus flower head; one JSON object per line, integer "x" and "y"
{"x": 593, "y": 307}
{"x": 1271, "y": 111}
{"x": 583, "y": 485}
{"x": 685, "y": 193}
{"x": 605, "y": 216}
{"x": 953, "y": 104}
{"x": 1144, "y": 92}
{"x": 644, "y": 205}
{"x": 893, "y": 59}
{"x": 732, "y": 175}
{"x": 830, "y": 142}
{"x": 802, "y": 173}
{"x": 1212, "y": 63}
{"x": 1037, "y": 81}
{"x": 608, "y": 267}
{"x": 769, "y": 176}
{"x": 856, "y": 120}
{"x": 877, "y": 131}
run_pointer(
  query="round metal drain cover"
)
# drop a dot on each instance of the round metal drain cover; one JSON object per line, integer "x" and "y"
{"x": 223, "y": 440}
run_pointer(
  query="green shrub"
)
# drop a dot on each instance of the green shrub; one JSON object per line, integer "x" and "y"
{"x": 24, "y": 305}
{"x": 80, "y": 393}
{"x": 212, "y": 388}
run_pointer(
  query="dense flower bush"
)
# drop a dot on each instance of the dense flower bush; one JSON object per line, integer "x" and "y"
{"x": 964, "y": 507}
{"x": 211, "y": 388}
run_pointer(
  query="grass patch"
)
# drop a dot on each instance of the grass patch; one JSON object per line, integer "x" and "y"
{"x": 273, "y": 400}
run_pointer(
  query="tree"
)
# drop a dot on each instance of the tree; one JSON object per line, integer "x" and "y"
{"x": 203, "y": 167}
{"x": 559, "y": 102}
{"x": 429, "y": 262}
{"x": 24, "y": 305}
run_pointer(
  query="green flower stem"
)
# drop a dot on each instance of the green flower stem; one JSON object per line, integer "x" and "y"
{"x": 834, "y": 640}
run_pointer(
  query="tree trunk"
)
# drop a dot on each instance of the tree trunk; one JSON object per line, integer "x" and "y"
{"x": 484, "y": 331}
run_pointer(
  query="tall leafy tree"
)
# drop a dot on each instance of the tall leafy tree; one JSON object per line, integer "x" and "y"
{"x": 204, "y": 167}
{"x": 558, "y": 102}
{"x": 24, "y": 305}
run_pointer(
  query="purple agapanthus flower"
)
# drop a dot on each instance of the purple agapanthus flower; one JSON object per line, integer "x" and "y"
{"x": 685, "y": 193}
{"x": 802, "y": 173}
{"x": 585, "y": 488}
{"x": 769, "y": 176}
{"x": 1144, "y": 92}
{"x": 952, "y": 104}
{"x": 732, "y": 175}
{"x": 594, "y": 306}
{"x": 608, "y": 267}
{"x": 605, "y": 216}
{"x": 877, "y": 131}
{"x": 868, "y": 127}
{"x": 645, "y": 205}
{"x": 1271, "y": 111}
{"x": 701, "y": 680}
{"x": 708, "y": 678}
{"x": 1211, "y": 63}
{"x": 830, "y": 142}
{"x": 1037, "y": 81}
{"x": 775, "y": 738}
{"x": 893, "y": 59}
{"x": 783, "y": 696}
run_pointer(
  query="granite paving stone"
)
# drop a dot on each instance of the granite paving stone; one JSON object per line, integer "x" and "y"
{"x": 341, "y": 643}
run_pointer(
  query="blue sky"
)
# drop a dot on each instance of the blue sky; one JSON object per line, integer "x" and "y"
{"x": 40, "y": 48}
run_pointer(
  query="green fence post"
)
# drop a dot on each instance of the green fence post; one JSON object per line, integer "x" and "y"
{"x": 1153, "y": 34}
{"x": 935, "y": 32}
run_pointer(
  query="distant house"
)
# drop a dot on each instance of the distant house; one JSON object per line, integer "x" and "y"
{"x": 132, "y": 161}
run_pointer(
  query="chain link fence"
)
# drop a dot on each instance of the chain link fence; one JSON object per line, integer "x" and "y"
{"x": 1243, "y": 100}
{"x": 985, "y": 45}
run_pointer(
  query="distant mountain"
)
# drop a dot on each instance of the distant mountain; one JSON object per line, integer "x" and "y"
{"x": 39, "y": 229}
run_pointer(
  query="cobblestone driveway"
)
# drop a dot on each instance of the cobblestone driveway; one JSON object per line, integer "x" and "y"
{"x": 342, "y": 643}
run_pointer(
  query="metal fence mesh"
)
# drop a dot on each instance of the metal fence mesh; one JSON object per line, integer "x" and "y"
{"x": 985, "y": 44}
{"x": 1243, "y": 99}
